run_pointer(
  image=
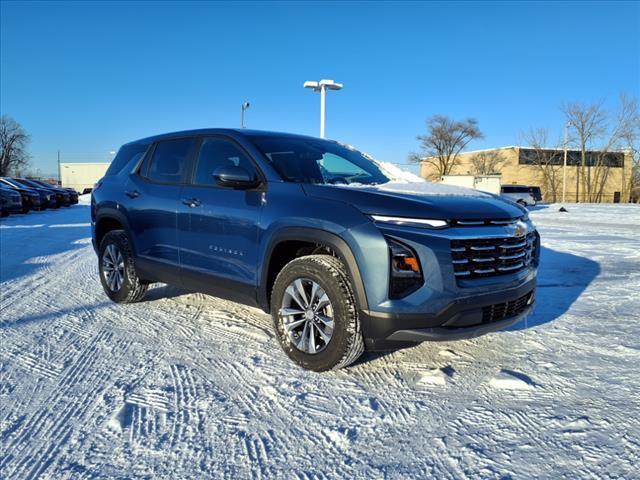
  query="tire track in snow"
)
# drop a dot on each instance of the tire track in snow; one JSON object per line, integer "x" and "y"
{"x": 42, "y": 436}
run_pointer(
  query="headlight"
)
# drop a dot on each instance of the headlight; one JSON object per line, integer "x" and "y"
{"x": 405, "y": 271}
{"x": 410, "y": 222}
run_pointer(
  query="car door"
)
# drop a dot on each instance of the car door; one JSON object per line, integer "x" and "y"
{"x": 153, "y": 195}
{"x": 219, "y": 226}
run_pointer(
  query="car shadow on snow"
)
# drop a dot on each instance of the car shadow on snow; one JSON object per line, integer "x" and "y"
{"x": 562, "y": 278}
{"x": 28, "y": 241}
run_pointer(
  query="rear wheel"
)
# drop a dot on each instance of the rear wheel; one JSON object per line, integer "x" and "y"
{"x": 315, "y": 315}
{"x": 117, "y": 270}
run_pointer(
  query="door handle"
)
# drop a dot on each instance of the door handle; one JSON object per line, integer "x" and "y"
{"x": 132, "y": 194}
{"x": 192, "y": 202}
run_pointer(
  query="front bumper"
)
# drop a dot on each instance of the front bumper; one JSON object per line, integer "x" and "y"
{"x": 463, "y": 318}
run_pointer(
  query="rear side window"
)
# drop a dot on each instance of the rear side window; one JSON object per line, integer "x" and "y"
{"x": 169, "y": 160}
{"x": 125, "y": 155}
{"x": 216, "y": 153}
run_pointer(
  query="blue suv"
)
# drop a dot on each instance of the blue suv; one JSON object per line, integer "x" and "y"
{"x": 316, "y": 233}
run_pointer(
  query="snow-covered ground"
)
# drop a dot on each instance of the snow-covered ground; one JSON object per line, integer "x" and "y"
{"x": 188, "y": 386}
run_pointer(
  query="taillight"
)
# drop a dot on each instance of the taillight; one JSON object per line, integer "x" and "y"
{"x": 405, "y": 270}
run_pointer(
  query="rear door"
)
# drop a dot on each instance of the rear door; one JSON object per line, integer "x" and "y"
{"x": 153, "y": 195}
{"x": 219, "y": 226}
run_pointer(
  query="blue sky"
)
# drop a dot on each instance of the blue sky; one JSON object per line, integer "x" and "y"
{"x": 86, "y": 77}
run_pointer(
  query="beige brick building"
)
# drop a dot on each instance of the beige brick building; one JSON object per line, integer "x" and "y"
{"x": 609, "y": 173}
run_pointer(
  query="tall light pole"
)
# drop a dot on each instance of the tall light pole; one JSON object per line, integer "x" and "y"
{"x": 322, "y": 86}
{"x": 564, "y": 167}
{"x": 244, "y": 107}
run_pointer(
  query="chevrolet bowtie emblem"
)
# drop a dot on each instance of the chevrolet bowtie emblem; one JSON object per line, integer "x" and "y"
{"x": 520, "y": 229}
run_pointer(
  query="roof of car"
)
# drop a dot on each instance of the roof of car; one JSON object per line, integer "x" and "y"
{"x": 213, "y": 131}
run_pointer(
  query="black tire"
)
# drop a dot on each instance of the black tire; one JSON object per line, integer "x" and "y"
{"x": 346, "y": 343}
{"x": 4, "y": 214}
{"x": 132, "y": 289}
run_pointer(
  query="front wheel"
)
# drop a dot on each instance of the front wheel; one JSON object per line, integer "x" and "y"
{"x": 315, "y": 315}
{"x": 117, "y": 270}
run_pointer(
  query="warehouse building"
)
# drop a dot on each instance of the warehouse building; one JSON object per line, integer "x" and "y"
{"x": 604, "y": 178}
{"x": 81, "y": 175}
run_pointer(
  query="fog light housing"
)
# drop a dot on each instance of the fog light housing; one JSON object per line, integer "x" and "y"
{"x": 405, "y": 271}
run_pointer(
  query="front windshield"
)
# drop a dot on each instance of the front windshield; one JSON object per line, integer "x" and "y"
{"x": 306, "y": 160}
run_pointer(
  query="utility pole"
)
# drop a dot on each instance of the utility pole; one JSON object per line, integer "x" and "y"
{"x": 59, "y": 170}
{"x": 244, "y": 107}
{"x": 564, "y": 168}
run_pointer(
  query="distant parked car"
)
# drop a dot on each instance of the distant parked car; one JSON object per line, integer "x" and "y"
{"x": 54, "y": 199}
{"x": 31, "y": 199}
{"x": 48, "y": 197}
{"x": 519, "y": 194}
{"x": 87, "y": 190}
{"x": 74, "y": 194}
{"x": 67, "y": 197}
{"x": 11, "y": 201}
{"x": 536, "y": 193}
{"x": 63, "y": 198}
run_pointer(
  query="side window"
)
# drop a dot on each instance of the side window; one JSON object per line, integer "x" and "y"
{"x": 216, "y": 153}
{"x": 169, "y": 160}
{"x": 125, "y": 155}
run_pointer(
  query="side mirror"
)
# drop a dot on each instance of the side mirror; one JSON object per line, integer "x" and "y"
{"x": 235, "y": 177}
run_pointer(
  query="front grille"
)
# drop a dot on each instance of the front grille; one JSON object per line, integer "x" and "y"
{"x": 500, "y": 311}
{"x": 489, "y": 257}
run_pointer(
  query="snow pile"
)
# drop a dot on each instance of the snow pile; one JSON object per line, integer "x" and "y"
{"x": 395, "y": 173}
{"x": 507, "y": 380}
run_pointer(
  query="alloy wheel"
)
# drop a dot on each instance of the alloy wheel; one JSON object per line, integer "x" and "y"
{"x": 306, "y": 314}
{"x": 113, "y": 267}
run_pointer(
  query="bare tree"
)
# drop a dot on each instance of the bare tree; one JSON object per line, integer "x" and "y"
{"x": 548, "y": 161}
{"x": 13, "y": 146}
{"x": 628, "y": 119}
{"x": 597, "y": 129}
{"x": 487, "y": 163}
{"x": 589, "y": 122}
{"x": 444, "y": 140}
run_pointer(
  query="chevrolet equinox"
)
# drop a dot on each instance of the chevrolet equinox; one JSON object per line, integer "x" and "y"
{"x": 344, "y": 257}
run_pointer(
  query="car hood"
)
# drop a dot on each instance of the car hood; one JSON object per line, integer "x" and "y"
{"x": 419, "y": 200}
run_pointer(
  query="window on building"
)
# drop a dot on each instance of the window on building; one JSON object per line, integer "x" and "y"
{"x": 530, "y": 156}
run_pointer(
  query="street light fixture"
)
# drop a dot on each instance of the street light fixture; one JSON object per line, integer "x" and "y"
{"x": 322, "y": 86}
{"x": 244, "y": 107}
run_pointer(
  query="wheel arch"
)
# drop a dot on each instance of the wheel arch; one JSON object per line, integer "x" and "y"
{"x": 311, "y": 236}
{"x": 109, "y": 220}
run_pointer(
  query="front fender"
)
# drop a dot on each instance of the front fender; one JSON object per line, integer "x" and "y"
{"x": 337, "y": 244}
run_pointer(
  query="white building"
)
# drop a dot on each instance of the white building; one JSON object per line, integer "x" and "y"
{"x": 81, "y": 175}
